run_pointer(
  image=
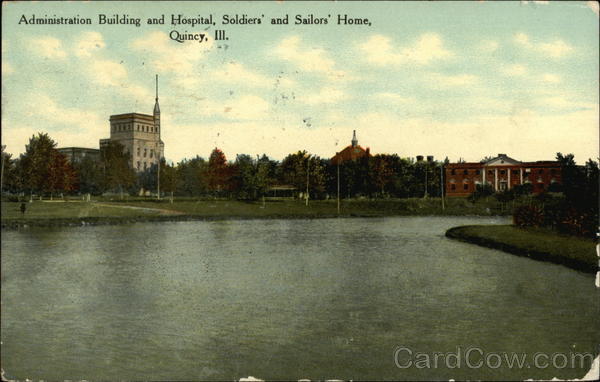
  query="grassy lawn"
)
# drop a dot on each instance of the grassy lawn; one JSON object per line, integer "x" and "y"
{"x": 325, "y": 208}
{"x": 65, "y": 210}
{"x": 541, "y": 244}
{"x": 115, "y": 210}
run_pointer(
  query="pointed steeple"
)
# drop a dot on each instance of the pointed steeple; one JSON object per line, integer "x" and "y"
{"x": 354, "y": 140}
{"x": 156, "y": 108}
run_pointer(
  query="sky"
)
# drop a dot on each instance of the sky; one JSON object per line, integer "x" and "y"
{"x": 450, "y": 79}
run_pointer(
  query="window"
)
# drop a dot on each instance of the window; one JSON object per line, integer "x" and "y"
{"x": 541, "y": 171}
{"x": 151, "y": 153}
{"x": 477, "y": 172}
{"x": 490, "y": 172}
{"x": 553, "y": 171}
{"x": 515, "y": 172}
{"x": 138, "y": 128}
{"x": 145, "y": 153}
{"x": 453, "y": 186}
{"x": 138, "y": 154}
{"x": 502, "y": 172}
{"x": 466, "y": 186}
{"x": 138, "y": 165}
{"x": 144, "y": 166}
{"x": 539, "y": 179}
{"x": 452, "y": 172}
{"x": 151, "y": 129}
{"x": 465, "y": 172}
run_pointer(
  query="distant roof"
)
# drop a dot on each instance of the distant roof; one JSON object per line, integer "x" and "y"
{"x": 131, "y": 115}
{"x": 77, "y": 148}
{"x": 281, "y": 187}
{"x": 350, "y": 153}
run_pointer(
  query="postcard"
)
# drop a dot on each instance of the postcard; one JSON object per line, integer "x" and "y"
{"x": 300, "y": 190}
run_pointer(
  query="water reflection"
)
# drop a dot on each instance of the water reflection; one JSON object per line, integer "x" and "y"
{"x": 277, "y": 299}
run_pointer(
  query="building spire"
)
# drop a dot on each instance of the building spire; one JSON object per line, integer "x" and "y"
{"x": 156, "y": 107}
{"x": 354, "y": 140}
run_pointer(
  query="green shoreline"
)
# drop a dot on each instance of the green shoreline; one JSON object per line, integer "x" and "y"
{"x": 77, "y": 213}
{"x": 115, "y": 220}
{"x": 538, "y": 244}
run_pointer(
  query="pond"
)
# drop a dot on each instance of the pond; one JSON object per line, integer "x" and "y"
{"x": 352, "y": 298}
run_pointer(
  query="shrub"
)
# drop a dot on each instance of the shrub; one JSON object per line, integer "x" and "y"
{"x": 481, "y": 191}
{"x": 528, "y": 216}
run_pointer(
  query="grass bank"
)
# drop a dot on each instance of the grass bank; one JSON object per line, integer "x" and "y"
{"x": 540, "y": 244}
{"x": 106, "y": 211}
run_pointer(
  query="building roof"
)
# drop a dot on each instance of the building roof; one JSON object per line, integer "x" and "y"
{"x": 132, "y": 116}
{"x": 350, "y": 153}
{"x": 77, "y": 149}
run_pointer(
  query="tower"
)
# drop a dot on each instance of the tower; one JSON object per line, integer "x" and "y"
{"x": 140, "y": 136}
{"x": 354, "y": 140}
{"x": 157, "y": 111}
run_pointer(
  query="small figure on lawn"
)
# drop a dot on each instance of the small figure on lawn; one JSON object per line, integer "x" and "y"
{"x": 23, "y": 208}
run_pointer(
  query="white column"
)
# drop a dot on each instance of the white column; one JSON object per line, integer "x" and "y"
{"x": 484, "y": 171}
{"x": 509, "y": 171}
{"x": 521, "y": 174}
{"x": 495, "y": 179}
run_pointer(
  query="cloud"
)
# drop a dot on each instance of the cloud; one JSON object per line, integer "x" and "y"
{"x": 48, "y": 47}
{"x": 246, "y": 107}
{"x": 326, "y": 95}
{"x": 379, "y": 50}
{"x": 438, "y": 79}
{"x": 7, "y": 68}
{"x": 88, "y": 44}
{"x": 563, "y": 103}
{"x": 550, "y": 78}
{"x": 513, "y": 70}
{"x": 555, "y": 49}
{"x": 393, "y": 98}
{"x": 593, "y": 5}
{"x": 312, "y": 59}
{"x": 168, "y": 56}
{"x": 238, "y": 73}
{"x": 107, "y": 72}
{"x": 68, "y": 126}
{"x": 488, "y": 46}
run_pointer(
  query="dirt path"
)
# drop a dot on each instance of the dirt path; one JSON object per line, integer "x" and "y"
{"x": 161, "y": 211}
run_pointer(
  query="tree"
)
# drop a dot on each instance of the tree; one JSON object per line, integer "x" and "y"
{"x": 89, "y": 175}
{"x": 219, "y": 173}
{"x": 43, "y": 168}
{"x": 116, "y": 172}
{"x": 192, "y": 175}
{"x": 8, "y": 178}
{"x": 62, "y": 176}
{"x": 169, "y": 178}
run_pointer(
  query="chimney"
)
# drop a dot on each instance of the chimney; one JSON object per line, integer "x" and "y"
{"x": 419, "y": 158}
{"x": 429, "y": 158}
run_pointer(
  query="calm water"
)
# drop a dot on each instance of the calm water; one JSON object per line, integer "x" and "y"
{"x": 279, "y": 299}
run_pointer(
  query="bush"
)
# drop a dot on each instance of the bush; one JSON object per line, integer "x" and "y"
{"x": 576, "y": 222}
{"x": 481, "y": 191}
{"x": 528, "y": 216}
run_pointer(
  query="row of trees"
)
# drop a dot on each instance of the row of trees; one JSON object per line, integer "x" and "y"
{"x": 43, "y": 170}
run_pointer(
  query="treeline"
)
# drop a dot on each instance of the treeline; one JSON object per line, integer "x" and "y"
{"x": 574, "y": 211}
{"x": 43, "y": 170}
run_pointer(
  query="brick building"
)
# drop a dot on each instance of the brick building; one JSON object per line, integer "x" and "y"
{"x": 77, "y": 154}
{"x": 501, "y": 173}
{"x": 140, "y": 136}
{"x": 350, "y": 153}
